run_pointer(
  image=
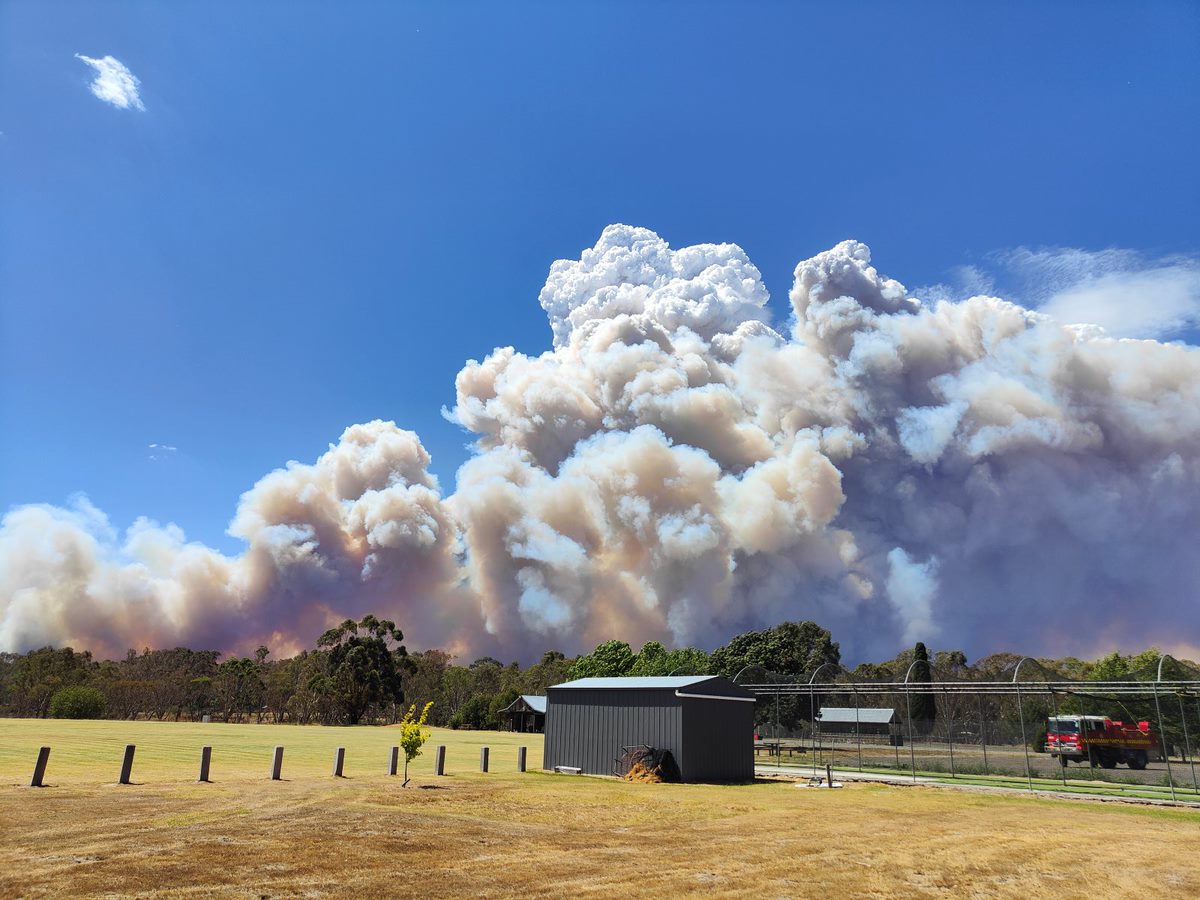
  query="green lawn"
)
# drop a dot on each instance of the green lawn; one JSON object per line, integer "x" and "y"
{"x": 90, "y": 752}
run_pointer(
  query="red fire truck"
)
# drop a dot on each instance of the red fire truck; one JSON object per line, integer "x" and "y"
{"x": 1100, "y": 741}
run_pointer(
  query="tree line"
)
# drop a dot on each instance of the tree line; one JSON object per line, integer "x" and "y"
{"x": 360, "y": 672}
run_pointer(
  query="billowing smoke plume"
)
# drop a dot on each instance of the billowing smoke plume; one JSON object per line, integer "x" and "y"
{"x": 973, "y": 474}
{"x": 364, "y": 529}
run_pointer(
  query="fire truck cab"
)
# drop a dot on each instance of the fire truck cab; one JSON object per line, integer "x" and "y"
{"x": 1100, "y": 741}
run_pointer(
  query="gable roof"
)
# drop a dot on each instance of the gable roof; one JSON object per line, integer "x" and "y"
{"x": 697, "y": 687}
{"x": 533, "y": 701}
{"x": 848, "y": 714}
{"x": 662, "y": 682}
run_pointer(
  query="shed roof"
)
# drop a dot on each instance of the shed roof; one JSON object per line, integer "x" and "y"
{"x": 533, "y": 701}
{"x": 662, "y": 682}
{"x": 698, "y": 687}
{"x": 862, "y": 715}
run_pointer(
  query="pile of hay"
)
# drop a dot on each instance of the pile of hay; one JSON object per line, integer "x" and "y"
{"x": 649, "y": 766}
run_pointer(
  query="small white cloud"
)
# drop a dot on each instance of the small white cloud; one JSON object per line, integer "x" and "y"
{"x": 159, "y": 452}
{"x": 1125, "y": 293}
{"x": 114, "y": 82}
{"x": 1152, "y": 303}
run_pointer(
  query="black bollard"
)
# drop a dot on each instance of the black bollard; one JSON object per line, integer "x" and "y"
{"x": 339, "y": 760}
{"x": 483, "y": 759}
{"x": 127, "y": 764}
{"x": 277, "y": 765}
{"x": 205, "y": 762}
{"x": 439, "y": 760}
{"x": 39, "y": 769}
{"x": 394, "y": 761}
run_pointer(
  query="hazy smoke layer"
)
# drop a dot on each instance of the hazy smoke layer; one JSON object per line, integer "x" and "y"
{"x": 973, "y": 474}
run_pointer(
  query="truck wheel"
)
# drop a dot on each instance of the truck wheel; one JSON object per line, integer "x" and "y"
{"x": 1138, "y": 759}
{"x": 1108, "y": 761}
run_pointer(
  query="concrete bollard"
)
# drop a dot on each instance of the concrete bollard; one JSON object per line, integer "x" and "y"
{"x": 277, "y": 765}
{"x": 127, "y": 764}
{"x": 394, "y": 761}
{"x": 205, "y": 763}
{"x": 339, "y": 760}
{"x": 483, "y": 759}
{"x": 439, "y": 760}
{"x": 520, "y": 759}
{"x": 828, "y": 775}
{"x": 39, "y": 769}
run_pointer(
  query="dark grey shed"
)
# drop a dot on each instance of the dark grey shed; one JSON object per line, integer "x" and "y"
{"x": 706, "y": 721}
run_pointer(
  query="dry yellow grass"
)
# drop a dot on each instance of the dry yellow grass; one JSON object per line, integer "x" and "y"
{"x": 505, "y": 834}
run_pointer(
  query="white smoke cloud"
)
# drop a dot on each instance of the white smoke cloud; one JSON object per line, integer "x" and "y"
{"x": 363, "y": 529}
{"x": 114, "y": 83}
{"x": 676, "y": 468}
{"x": 912, "y": 587}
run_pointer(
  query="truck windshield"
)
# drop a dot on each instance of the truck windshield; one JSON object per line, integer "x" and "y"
{"x": 1064, "y": 726}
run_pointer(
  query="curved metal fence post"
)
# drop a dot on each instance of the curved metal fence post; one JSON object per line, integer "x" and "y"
{"x": 816, "y": 735}
{"x": 1082, "y": 725}
{"x": 1162, "y": 734}
{"x": 1187, "y": 743}
{"x": 912, "y": 753}
{"x": 812, "y": 724}
{"x": 1062, "y": 768}
{"x": 983, "y": 735}
{"x": 950, "y": 734}
{"x": 895, "y": 737}
{"x": 858, "y": 727}
{"x": 778, "y": 755}
{"x": 1021, "y": 715}
{"x": 1024, "y": 739}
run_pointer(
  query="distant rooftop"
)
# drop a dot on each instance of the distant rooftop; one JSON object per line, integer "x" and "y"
{"x": 862, "y": 715}
{"x": 536, "y": 702}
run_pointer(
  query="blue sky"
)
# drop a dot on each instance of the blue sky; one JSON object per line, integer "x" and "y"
{"x": 325, "y": 209}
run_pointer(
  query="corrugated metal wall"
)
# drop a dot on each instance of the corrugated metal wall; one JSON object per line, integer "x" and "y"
{"x": 711, "y": 740}
{"x": 588, "y": 728}
{"x": 718, "y": 740}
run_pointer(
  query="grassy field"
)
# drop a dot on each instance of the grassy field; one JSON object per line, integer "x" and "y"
{"x": 89, "y": 753}
{"x": 507, "y": 834}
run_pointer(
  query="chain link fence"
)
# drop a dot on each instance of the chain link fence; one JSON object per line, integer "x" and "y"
{"x": 988, "y": 729}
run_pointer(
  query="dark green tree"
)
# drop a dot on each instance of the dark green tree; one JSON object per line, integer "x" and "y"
{"x": 366, "y": 661}
{"x": 77, "y": 702}
{"x": 35, "y": 677}
{"x": 239, "y": 687}
{"x": 611, "y": 659}
{"x": 791, "y": 651}
{"x": 554, "y": 668}
{"x": 792, "y": 648}
{"x": 655, "y": 659}
{"x": 923, "y": 704}
{"x": 475, "y": 713}
{"x": 652, "y": 659}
